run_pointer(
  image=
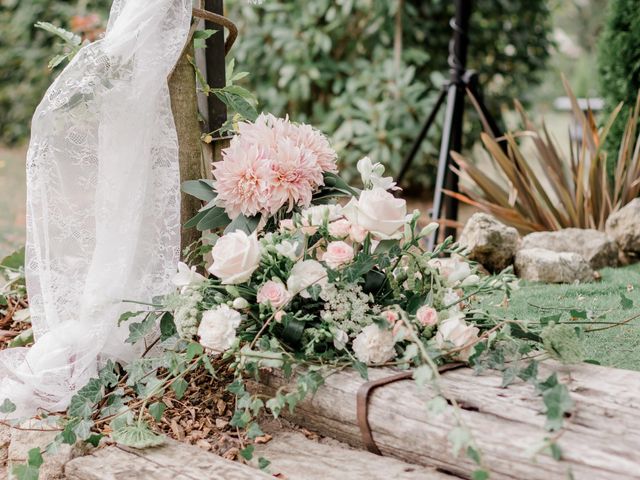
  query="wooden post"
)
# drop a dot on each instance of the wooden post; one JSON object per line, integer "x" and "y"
{"x": 184, "y": 103}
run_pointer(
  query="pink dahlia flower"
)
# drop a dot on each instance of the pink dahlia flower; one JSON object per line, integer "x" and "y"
{"x": 242, "y": 180}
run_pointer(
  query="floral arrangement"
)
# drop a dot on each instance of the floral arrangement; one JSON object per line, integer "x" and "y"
{"x": 304, "y": 273}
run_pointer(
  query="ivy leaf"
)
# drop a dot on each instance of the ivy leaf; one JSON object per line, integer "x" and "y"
{"x": 254, "y": 431}
{"x": 557, "y": 402}
{"x": 126, "y": 316}
{"x": 194, "y": 350}
{"x": 179, "y": 387}
{"x": 247, "y": 453}
{"x": 138, "y": 331}
{"x": 579, "y": 314}
{"x": 460, "y": 439}
{"x": 108, "y": 375}
{"x": 31, "y": 469}
{"x": 7, "y": 406}
{"x": 137, "y": 436}
{"x": 361, "y": 368}
{"x": 480, "y": 474}
{"x": 263, "y": 463}
{"x": 82, "y": 403}
{"x": 156, "y": 410}
{"x": 167, "y": 326}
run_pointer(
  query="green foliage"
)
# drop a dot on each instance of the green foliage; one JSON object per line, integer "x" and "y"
{"x": 619, "y": 64}
{"x": 25, "y": 52}
{"x": 31, "y": 469}
{"x": 137, "y": 436}
{"x": 335, "y": 66}
{"x": 563, "y": 343}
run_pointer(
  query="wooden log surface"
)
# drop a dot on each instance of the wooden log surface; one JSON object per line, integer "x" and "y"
{"x": 601, "y": 439}
{"x": 295, "y": 457}
{"x": 171, "y": 461}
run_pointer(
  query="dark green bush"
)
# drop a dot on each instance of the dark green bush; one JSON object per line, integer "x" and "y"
{"x": 24, "y": 55}
{"x": 619, "y": 64}
{"x": 332, "y": 63}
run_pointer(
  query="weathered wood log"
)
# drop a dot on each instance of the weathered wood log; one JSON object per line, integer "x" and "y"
{"x": 295, "y": 457}
{"x": 184, "y": 104}
{"x": 172, "y": 461}
{"x": 601, "y": 439}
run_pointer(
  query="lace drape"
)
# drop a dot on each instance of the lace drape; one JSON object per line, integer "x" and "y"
{"x": 103, "y": 202}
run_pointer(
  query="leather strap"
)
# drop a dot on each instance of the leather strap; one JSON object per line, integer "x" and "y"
{"x": 362, "y": 402}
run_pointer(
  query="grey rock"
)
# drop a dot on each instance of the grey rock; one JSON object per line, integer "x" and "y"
{"x": 489, "y": 242}
{"x": 24, "y": 440}
{"x": 596, "y": 247}
{"x": 624, "y": 227}
{"x": 540, "y": 265}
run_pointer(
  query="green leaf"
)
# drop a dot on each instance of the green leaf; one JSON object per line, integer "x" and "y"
{"x": 480, "y": 474}
{"x": 240, "y": 92}
{"x": 292, "y": 331}
{"x": 556, "y": 451}
{"x": 254, "y": 431}
{"x": 361, "y": 368}
{"x": 200, "y": 37}
{"x": 214, "y": 218}
{"x": 544, "y": 321}
{"x": 247, "y": 453}
{"x": 460, "y": 439}
{"x": 625, "y": 302}
{"x": 108, "y": 375}
{"x": 201, "y": 189}
{"x": 167, "y": 326}
{"x": 138, "y": 331}
{"x": 94, "y": 440}
{"x": 137, "y": 436}
{"x": 194, "y": 350}
{"x": 31, "y": 469}
{"x": 334, "y": 181}
{"x": 14, "y": 261}
{"x": 473, "y": 454}
{"x": 156, "y": 410}
{"x": 179, "y": 387}
{"x": 82, "y": 403}
{"x": 263, "y": 463}
{"x": 128, "y": 316}
{"x": 22, "y": 340}
{"x": 193, "y": 222}
{"x": 238, "y": 104}
{"x": 68, "y": 37}
{"x": 579, "y": 314}
{"x": 7, "y": 406}
{"x": 557, "y": 402}
{"x": 246, "y": 224}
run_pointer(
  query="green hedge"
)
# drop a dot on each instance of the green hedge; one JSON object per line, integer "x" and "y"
{"x": 619, "y": 64}
{"x": 332, "y": 63}
{"x": 24, "y": 54}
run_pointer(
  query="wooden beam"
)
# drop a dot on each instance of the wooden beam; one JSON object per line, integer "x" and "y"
{"x": 601, "y": 439}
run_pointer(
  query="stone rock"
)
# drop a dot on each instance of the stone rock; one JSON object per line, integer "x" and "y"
{"x": 24, "y": 440}
{"x": 624, "y": 227}
{"x": 489, "y": 242}
{"x": 540, "y": 265}
{"x": 595, "y": 247}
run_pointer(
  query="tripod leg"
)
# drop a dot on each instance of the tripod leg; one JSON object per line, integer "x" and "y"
{"x": 443, "y": 159}
{"x": 421, "y": 136}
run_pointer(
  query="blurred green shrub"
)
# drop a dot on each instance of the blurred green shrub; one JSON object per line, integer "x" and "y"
{"x": 619, "y": 65}
{"x": 25, "y": 52}
{"x": 332, "y": 63}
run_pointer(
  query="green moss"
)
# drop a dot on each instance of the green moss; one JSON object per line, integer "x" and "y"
{"x": 618, "y": 346}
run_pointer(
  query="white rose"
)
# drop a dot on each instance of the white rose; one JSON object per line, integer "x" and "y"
{"x": 217, "y": 330}
{"x": 305, "y": 274}
{"x": 187, "y": 276}
{"x": 454, "y": 332}
{"x": 288, "y": 249}
{"x": 451, "y": 300}
{"x": 338, "y": 253}
{"x": 236, "y": 256}
{"x": 378, "y": 212}
{"x": 374, "y": 346}
{"x": 240, "y": 303}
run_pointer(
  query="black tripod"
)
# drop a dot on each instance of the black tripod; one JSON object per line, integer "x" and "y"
{"x": 461, "y": 82}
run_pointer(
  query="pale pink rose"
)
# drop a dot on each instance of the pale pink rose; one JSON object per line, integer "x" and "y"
{"x": 340, "y": 228}
{"x": 390, "y": 316}
{"x": 279, "y": 316}
{"x": 427, "y": 316}
{"x": 357, "y": 233}
{"x": 273, "y": 293}
{"x": 454, "y": 332}
{"x": 338, "y": 253}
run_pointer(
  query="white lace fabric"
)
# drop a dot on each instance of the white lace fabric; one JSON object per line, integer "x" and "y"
{"x": 103, "y": 207}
